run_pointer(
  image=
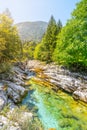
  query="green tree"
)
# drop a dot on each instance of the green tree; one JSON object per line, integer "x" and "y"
{"x": 2, "y": 47}
{"x": 9, "y": 39}
{"x": 28, "y": 50}
{"x": 71, "y": 48}
{"x": 59, "y": 26}
{"x": 46, "y": 48}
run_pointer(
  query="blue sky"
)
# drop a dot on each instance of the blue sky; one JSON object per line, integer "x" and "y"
{"x": 39, "y": 10}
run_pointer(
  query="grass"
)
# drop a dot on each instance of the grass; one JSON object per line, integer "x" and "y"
{"x": 17, "y": 116}
{"x": 5, "y": 67}
{"x": 25, "y": 123}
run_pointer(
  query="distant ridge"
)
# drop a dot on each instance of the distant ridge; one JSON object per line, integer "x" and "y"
{"x": 31, "y": 31}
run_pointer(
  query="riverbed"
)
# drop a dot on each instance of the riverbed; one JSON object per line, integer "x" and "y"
{"x": 57, "y": 110}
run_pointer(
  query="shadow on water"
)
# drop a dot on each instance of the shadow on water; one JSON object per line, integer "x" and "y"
{"x": 29, "y": 100}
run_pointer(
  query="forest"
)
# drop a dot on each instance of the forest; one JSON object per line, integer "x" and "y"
{"x": 64, "y": 45}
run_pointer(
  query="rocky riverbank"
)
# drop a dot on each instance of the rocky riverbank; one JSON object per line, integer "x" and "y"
{"x": 12, "y": 90}
{"x": 13, "y": 87}
{"x": 71, "y": 82}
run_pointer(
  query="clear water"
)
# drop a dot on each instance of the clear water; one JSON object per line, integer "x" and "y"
{"x": 57, "y": 110}
{"x": 44, "y": 114}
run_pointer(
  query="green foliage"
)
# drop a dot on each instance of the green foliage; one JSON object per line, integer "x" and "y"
{"x": 5, "y": 67}
{"x": 25, "y": 123}
{"x": 59, "y": 26}
{"x": 71, "y": 48}
{"x": 38, "y": 52}
{"x": 10, "y": 44}
{"x": 29, "y": 125}
{"x": 2, "y": 46}
{"x": 28, "y": 50}
{"x": 5, "y": 110}
{"x": 9, "y": 39}
{"x": 45, "y": 49}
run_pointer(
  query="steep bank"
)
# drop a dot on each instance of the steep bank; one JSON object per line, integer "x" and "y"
{"x": 61, "y": 78}
{"x": 12, "y": 91}
{"x": 12, "y": 85}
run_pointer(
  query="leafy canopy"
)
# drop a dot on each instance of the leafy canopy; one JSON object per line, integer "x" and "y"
{"x": 9, "y": 39}
{"x": 71, "y": 48}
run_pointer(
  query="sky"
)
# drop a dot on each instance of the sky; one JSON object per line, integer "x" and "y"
{"x": 39, "y": 10}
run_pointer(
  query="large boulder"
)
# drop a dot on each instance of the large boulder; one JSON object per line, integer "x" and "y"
{"x": 15, "y": 92}
{"x": 16, "y": 88}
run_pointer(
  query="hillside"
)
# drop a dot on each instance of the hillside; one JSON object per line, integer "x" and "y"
{"x": 31, "y": 30}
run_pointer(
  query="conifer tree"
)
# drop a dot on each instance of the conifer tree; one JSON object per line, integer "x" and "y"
{"x": 46, "y": 48}
{"x": 59, "y": 26}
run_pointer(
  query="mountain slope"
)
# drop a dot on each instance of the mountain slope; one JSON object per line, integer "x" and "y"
{"x": 31, "y": 31}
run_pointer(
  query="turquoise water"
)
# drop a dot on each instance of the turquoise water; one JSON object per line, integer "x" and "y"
{"x": 57, "y": 110}
{"x": 44, "y": 114}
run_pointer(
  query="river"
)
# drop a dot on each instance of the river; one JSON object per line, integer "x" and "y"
{"x": 56, "y": 110}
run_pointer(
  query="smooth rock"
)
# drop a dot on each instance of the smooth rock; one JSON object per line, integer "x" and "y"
{"x": 3, "y": 99}
{"x": 16, "y": 88}
{"x": 72, "y": 82}
{"x": 80, "y": 94}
